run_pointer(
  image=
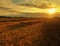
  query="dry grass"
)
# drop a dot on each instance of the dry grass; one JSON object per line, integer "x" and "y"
{"x": 29, "y": 32}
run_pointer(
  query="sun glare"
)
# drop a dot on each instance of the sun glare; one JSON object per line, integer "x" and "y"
{"x": 51, "y": 11}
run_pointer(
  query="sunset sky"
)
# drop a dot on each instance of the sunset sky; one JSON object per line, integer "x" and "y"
{"x": 57, "y": 2}
{"x": 8, "y": 7}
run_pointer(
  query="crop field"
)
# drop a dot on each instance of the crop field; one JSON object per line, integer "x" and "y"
{"x": 29, "y": 32}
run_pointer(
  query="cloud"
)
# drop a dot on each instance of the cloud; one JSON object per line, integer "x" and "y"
{"x": 7, "y": 7}
{"x": 19, "y": 7}
{"x": 5, "y": 11}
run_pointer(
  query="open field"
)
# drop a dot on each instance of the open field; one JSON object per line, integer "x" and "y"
{"x": 29, "y": 32}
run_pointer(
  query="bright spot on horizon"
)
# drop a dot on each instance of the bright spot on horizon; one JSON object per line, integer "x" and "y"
{"x": 52, "y": 11}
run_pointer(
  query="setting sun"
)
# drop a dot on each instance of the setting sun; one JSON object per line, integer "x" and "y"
{"x": 51, "y": 11}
